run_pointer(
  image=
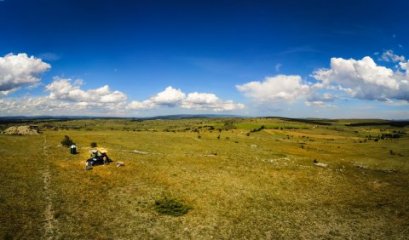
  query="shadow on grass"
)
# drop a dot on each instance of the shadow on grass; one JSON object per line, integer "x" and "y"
{"x": 172, "y": 207}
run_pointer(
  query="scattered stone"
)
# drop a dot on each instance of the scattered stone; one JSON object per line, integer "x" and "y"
{"x": 318, "y": 164}
{"x": 139, "y": 152}
{"x": 253, "y": 146}
{"x": 210, "y": 155}
{"x": 361, "y": 166}
{"x": 120, "y": 164}
{"x": 276, "y": 159}
{"x": 389, "y": 170}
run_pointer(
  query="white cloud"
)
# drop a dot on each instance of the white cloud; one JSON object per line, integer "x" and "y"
{"x": 20, "y": 70}
{"x": 172, "y": 97}
{"x": 274, "y": 89}
{"x": 67, "y": 98}
{"x": 390, "y": 56}
{"x": 319, "y": 100}
{"x": 203, "y": 101}
{"x": 44, "y": 105}
{"x": 365, "y": 79}
{"x": 141, "y": 105}
{"x": 405, "y": 67}
{"x": 63, "y": 89}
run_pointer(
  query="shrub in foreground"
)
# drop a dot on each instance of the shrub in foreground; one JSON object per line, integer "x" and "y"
{"x": 67, "y": 141}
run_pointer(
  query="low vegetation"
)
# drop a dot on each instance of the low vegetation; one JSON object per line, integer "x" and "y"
{"x": 288, "y": 180}
{"x": 67, "y": 141}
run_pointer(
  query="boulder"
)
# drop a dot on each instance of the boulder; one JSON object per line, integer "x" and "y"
{"x": 22, "y": 130}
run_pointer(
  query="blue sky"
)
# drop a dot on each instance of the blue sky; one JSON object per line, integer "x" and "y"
{"x": 141, "y": 58}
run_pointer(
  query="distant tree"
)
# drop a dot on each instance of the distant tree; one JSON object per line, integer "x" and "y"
{"x": 229, "y": 124}
{"x": 258, "y": 129}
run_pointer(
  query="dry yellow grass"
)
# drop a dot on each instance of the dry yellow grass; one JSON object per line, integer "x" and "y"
{"x": 261, "y": 186}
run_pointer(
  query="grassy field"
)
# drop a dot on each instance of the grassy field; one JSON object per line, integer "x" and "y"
{"x": 235, "y": 179}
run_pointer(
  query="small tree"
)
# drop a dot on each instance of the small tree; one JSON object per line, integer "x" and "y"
{"x": 67, "y": 141}
{"x": 94, "y": 144}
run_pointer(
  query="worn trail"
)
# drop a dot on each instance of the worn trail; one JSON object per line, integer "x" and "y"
{"x": 50, "y": 225}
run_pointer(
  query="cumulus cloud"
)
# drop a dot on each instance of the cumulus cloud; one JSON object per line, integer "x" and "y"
{"x": 274, "y": 89}
{"x": 172, "y": 97}
{"x": 390, "y": 56}
{"x": 64, "y": 89}
{"x": 20, "y": 70}
{"x": 319, "y": 100}
{"x": 203, "y": 101}
{"x": 365, "y": 79}
{"x": 405, "y": 67}
{"x": 67, "y": 98}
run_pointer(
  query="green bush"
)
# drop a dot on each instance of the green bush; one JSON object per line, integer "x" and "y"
{"x": 258, "y": 129}
{"x": 229, "y": 125}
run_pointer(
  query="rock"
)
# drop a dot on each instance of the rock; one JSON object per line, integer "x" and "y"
{"x": 389, "y": 171}
{"x": 361, "y": 166}
{"x": 120, "y": 164}
{"x": 22, "y": 130}
{"x": 139, "y": 152}
{"x": 318, "y": 164}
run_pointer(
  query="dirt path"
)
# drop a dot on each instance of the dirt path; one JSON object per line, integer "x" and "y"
{"x": 50, "y": 221}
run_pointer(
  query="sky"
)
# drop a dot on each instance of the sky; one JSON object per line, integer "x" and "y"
{"x": 317, "y": 58}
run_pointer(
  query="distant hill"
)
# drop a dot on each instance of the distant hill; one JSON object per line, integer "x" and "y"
{"x": 317, "y": 121}
{"x": 66, "y": 118}
{"x": 190, "y": 116}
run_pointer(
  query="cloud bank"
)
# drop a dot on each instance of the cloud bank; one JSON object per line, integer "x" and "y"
{"x": 63, "y": 89}
{"x": 352, "y": 78}
{"x": 67, "y": 97}
{"x": 362, "y": 79}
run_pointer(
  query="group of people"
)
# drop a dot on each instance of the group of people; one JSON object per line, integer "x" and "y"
{"x": 98, "y": 157}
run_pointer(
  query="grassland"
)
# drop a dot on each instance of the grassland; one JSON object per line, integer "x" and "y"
{"x": 237, "y": 179}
